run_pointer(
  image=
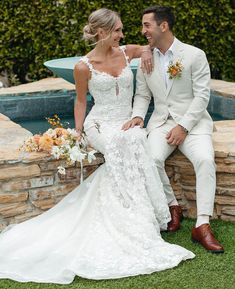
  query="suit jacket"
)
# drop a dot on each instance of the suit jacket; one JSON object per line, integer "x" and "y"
{"x": 185, "y": 98}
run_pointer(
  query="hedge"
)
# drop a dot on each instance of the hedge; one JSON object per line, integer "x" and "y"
{"x": 33, "y": 31}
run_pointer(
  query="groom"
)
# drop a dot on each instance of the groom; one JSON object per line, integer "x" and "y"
{"x": 180, "y": 88}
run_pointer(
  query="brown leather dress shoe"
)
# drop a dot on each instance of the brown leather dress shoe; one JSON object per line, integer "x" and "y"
{"x": 176, "y": 218}
{"x": 204, "y": 235}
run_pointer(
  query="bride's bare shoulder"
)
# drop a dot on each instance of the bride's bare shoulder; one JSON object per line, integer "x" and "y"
{"x": 82, "y": 69}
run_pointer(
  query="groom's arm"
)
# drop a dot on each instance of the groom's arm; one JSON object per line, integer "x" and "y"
{"x": 201, "y": 91}
{"x": 141, "y": 102}
{"x": 142, "y": 96}
{"x": 143, "y": 52}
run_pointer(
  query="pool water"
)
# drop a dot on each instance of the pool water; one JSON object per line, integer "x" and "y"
{"x": 30, "y": 109}
{"x": 41, "y": 125}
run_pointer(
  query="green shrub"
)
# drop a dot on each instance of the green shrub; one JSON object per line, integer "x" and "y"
{"x": 32, "y": 32}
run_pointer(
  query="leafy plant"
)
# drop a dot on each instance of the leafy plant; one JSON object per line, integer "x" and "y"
{"x": 32, "y": 32}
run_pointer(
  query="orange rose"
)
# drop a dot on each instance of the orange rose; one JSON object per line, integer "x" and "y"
{"x": 45, "y": 143}
{"x": 58, "y": 141}
{"x": 61, "y": 131}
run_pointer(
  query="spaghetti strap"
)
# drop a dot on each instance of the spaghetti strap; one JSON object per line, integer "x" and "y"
{"x": 85, "y": 60}
{"x": 123, "y": 49}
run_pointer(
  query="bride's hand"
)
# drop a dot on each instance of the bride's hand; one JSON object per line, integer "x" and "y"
{"x": 147, "y": 60}
{"x": 136, "y": 121}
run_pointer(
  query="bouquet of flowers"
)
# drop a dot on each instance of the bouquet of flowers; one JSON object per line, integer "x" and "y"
{"x": 61, "y": 143}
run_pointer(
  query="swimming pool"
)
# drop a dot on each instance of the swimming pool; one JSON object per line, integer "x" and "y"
{"x": 41, "y": 125}
{"x": 217, "y": 108}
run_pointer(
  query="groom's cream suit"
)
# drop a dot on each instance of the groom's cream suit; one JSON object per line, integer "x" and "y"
{"x": 183, "y": 101}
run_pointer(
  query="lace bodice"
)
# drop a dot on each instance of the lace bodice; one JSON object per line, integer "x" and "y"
{"x": 112, "y": 95}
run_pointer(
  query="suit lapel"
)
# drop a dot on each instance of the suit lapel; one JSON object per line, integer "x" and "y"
{"x": 177, "y": 55}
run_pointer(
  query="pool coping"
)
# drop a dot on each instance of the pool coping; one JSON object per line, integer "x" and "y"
{"x": 221, "y": 87}
{"x": 40, "y": 86}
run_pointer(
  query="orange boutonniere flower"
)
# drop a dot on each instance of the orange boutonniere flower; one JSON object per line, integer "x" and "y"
{"x": 175, "y": 69}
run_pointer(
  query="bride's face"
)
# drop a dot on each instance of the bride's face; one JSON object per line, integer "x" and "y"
{"x": 117, "y": 34}
{"x": 113, "y": 38}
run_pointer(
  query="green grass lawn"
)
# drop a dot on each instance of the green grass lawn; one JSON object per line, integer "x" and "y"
{"x": 206, "y": 271}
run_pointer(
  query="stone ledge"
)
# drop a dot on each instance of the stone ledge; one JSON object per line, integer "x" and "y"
{"x": 12, "y": 136}
{"x": 223, "y": 138}
{"x": 25, "y": 193}
{"x": 46, "y": 84}
{"x": 221, "y": 87}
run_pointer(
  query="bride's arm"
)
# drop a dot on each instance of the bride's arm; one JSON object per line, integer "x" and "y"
{"x": 136, "y": 51}
{"x": 143, "y": 52}
{"x": 81, "y": 75}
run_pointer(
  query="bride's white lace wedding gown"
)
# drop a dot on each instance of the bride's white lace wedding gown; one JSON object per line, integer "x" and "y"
{"x": 109, "y": 226}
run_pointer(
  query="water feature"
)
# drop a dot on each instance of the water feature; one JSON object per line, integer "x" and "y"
{"x": 40, "y": 124}
{"x": 30, "y": 110}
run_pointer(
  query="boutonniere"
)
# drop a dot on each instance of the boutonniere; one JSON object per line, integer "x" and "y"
{"x": 175, "y": 69}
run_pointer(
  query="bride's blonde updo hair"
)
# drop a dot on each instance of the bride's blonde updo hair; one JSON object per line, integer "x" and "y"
{"x": 102, "y": 18}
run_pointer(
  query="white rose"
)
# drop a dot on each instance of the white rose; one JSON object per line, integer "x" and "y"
{"x": 76, "y": 154}
{"x": 61, "y": 170}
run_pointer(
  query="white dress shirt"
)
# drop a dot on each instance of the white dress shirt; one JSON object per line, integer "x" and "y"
{"x": 165, "y": 60}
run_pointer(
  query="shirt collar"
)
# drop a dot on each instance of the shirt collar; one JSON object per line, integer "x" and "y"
{"x": 171, "y": 49}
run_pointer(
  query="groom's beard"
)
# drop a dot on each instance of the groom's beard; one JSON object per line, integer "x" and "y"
{"x": 156, "y": 44}
{"x": 152, "y": 42}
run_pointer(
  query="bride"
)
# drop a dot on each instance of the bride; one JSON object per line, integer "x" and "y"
{"x": 109, "y": 226}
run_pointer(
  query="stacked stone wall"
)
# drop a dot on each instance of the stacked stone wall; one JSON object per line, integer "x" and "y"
{"x": 30, "y": 184}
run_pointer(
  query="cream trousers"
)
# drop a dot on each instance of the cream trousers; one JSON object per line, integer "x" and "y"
{"x": 199, "y": 150}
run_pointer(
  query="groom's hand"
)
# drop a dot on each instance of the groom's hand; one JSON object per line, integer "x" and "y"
{"x": 133, "y": 122}
{"x": 176, "y": 136}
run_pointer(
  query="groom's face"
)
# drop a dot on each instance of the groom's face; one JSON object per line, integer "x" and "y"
{"x": 150, "y": 29}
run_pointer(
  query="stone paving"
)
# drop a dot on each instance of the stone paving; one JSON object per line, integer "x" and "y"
{"x": 223, "y": 88}
{"x": 219, "y": 86}
{"x": 11, "y": 137}
{"x": 46, "y": 84}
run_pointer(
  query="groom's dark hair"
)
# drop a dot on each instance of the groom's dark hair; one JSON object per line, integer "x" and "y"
{"x": 161, "y": 13}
